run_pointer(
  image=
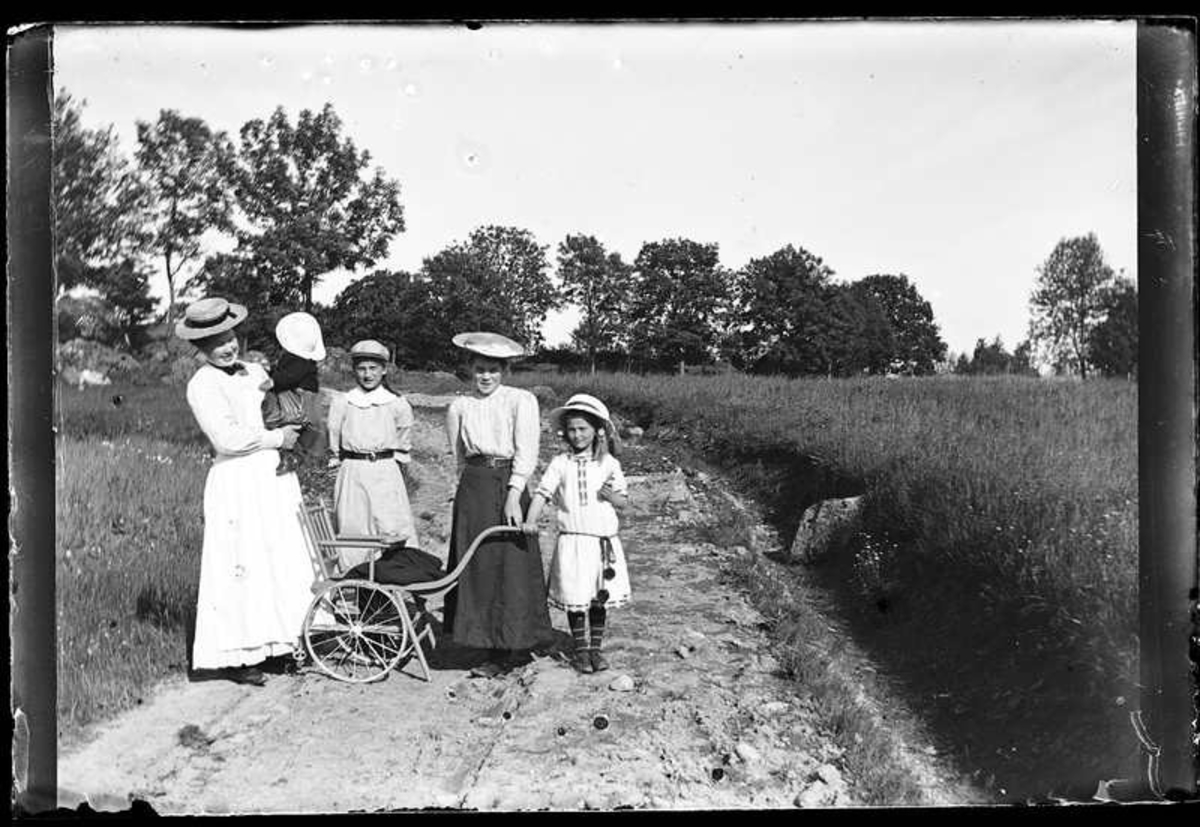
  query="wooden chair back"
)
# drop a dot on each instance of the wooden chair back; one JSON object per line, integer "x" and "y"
{"x": 318, "y": 528}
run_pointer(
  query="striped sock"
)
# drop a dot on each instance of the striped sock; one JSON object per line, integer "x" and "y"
{"x": 596, "y": 616}
{"x": 578, "y": 630}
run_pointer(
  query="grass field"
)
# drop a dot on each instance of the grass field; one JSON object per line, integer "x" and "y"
{"x": 997, "y": 577}
{"x": 129, "y": 482}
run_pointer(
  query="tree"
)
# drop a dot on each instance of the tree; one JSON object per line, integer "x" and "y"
{"x": 599, "y": 283}
{"x": 395, "y": 308}
{"x": 97, "y": 199}
{"x": 309, "y": 207}
{"x": 852, "y": 334}
{"x": 127, "y": 288}
{"x": 992, "y": 358}
{"x": 680, "y": 294}
{"x": 182, "y": 163}
{"x": 238, "y": 278}
{"x": 1113, "y": 343}
{"x": 1066, "y": 302}
{"x": 780, "y": 303}
{"x": 497, "y": 280}
{"x": 1022, "y": 359}
{"x": 918, "y": 345}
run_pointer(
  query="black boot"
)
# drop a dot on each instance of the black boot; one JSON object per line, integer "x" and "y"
{"x": 596, "y": 618}
{"x": 249, "y": 675}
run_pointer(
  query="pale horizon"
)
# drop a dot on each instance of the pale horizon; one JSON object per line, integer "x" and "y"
{"x": 957, "y": 154}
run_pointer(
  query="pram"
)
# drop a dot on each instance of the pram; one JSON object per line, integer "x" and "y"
{"x": 357, "y": 630}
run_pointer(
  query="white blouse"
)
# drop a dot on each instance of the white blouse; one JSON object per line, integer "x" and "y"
{"x": 378, "y": 420}
{"x": 505, "y": 423}
{"x": 573, "y": 482}
{"x": 229, "y": 410}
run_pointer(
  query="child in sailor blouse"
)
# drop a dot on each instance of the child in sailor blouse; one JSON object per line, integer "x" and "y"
{"x": 588, "y": 574}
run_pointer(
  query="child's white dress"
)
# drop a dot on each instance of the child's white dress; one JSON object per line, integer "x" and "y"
{"x": 577, "y": 571}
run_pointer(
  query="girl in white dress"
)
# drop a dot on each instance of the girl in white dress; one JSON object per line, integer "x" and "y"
{"x": 588, "y": 575}
{"x": 255, "y": 570}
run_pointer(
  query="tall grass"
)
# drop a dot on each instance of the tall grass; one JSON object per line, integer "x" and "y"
{"x": 1036, "y": 479}
{"x": 1000, "y": 521}
{"x": 128, "y": 534}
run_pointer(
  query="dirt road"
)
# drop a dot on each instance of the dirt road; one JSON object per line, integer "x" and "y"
{"x": 707, "y": 722}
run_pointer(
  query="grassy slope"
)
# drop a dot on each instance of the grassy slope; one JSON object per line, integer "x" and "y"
{"x": 999, "y": 582}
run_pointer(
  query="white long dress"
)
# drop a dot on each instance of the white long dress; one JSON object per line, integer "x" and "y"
{"x": 255, "y": 570}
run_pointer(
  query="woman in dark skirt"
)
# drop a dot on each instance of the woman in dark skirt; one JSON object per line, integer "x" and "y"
{"x": 500, "y": 601}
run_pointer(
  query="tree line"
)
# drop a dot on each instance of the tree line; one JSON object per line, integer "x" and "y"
{"x": 1083, "y": 320}
{"x": 296, "y": 200}
{"x": 674, "y": 305}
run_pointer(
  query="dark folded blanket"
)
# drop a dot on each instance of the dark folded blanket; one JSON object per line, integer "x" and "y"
{"x": 401, "y": 565}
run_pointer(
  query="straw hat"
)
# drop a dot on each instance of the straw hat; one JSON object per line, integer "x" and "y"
{"x": 369, "y": 349}
{"x": 300, "y": 335}
{"x": 208, "y": 317}
{"x": 491, "y": 345}
{"x": 585, "y": 403}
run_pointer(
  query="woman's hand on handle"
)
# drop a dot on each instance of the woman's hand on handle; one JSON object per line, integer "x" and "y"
{"x": 512, "y": 508}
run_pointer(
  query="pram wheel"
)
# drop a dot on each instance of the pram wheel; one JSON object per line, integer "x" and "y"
{"x": 354, "y": 631}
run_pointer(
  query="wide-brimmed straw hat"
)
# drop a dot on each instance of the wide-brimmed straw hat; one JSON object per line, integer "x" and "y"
{"x": 582, "y": 403}
{"x": 491, "y": 345}
{"x": 370, "y": 349}
{"x": 300, "y": 335}
{"x": 208, "y": 317}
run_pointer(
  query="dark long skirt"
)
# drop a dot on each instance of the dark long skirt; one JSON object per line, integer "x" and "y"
{"x": 500, "y": 600}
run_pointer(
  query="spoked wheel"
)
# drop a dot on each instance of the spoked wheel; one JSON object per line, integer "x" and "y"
{"x": 354, "y": 631}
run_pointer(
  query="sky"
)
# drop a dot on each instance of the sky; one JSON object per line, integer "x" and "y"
{"x": 955, "y": 153}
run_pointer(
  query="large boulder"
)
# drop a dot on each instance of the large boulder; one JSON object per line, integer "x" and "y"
{"x": 826, "y": 528}
{"x": 85, "y": 354}
{"x": 166, "y": 350}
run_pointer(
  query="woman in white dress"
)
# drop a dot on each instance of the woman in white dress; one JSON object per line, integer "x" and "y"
{"x": 255, "y": 570}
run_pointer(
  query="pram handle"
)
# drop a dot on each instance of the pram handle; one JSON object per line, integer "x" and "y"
{"x": 451, "y": 578}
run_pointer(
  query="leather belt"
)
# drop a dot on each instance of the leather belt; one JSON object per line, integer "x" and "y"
{"x": 489, "y": 462}
{"x": 369, "y": 455}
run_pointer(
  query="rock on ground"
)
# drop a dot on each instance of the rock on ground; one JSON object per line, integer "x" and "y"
{"x": 825, "y": 528}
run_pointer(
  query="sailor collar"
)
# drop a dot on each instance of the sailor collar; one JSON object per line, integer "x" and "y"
{"x": 366, "y": 399}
